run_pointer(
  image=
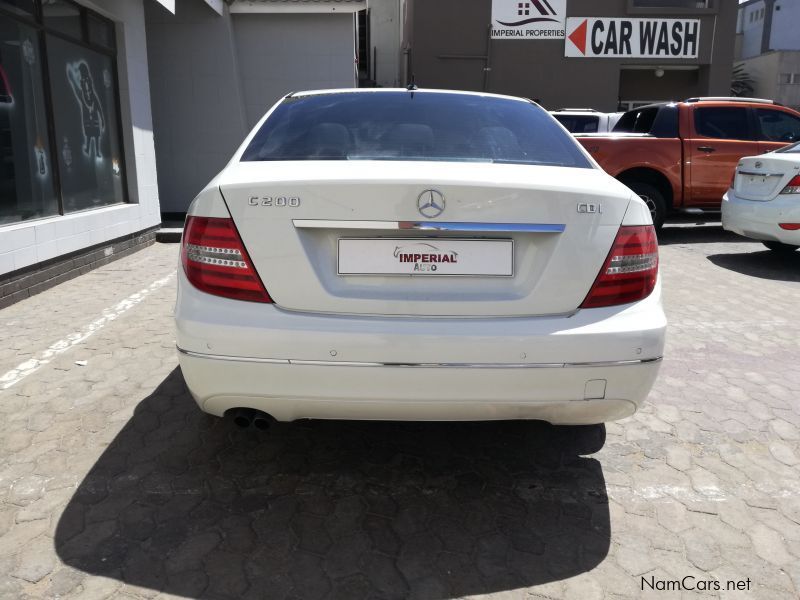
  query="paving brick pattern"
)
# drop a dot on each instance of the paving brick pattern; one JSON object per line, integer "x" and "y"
{"x": 114, "y": 485}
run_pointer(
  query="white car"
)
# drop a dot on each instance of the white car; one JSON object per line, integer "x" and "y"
{"x": 764, "y": 200}
{"x": 586, "y": 120}
{"x": 417, "y": 255}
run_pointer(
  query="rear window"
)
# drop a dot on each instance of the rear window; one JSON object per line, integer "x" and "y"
{"x": 403, "y": 125}
{"x": 795, "y": 148}
{"x": 637, "y": 121}
{"x": 579, "y": 123}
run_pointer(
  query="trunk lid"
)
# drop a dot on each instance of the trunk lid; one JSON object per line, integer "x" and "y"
{"x": 295, "y": 218}
{"x": 762, "y": 178}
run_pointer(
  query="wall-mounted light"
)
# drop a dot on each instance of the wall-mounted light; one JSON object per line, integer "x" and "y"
{"x": 659, "y": 72}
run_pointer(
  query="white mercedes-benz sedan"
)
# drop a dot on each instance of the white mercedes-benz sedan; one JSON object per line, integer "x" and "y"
{"x": 764, "y": 200}
{"x": 417, "y": 255}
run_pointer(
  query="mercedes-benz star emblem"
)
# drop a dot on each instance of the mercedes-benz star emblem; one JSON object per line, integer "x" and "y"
{"x": 430, "y": 203}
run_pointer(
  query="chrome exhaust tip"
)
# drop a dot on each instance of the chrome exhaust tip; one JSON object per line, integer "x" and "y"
{"x": 262, "y": 421}
{"x": 243, "y": 417}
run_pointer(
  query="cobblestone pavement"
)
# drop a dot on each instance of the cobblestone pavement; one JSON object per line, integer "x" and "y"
{"x": 113, "y": 484}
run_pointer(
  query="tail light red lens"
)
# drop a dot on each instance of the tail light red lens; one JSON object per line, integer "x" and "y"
{"x": 790, "y": 226}
{"x": 630, "y": 270}
{"x": 215, "y": 261}
{"x": 793, "y": 187}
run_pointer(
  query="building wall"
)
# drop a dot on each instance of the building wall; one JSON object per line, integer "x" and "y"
{"x": 538, "y": 69}
{"x": 766, "y": 69}
{"x": 785, "y": 26}
{"x": 198, "y": 112}
{"x": 385, "y": 26}
{"x": 642, "y": 84}
{"x": 306, "y": 51}
{"x": 214, "y": 76}
{"x": 763, "y": 69}
{"x": 27, "y": 243}
{"x": 783, "y": 29}
{"x": 751, "y": 25}
{"x": 789, "y": 94}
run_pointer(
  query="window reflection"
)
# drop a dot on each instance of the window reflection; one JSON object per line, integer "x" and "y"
{"x": 26, "y": 176}
{"x": 85, "y": 125}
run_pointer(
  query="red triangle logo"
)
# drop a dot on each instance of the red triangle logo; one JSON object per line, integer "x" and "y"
{"x": 578, "y": 37}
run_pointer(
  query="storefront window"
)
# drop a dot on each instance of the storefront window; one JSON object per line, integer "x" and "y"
{"x": 60, "y": 140}
{"x": 25, "y": 8}
{"x": 62, "y": 16}
{"x": 671, "y": 3}
{"x": 100, "y": 32}
{"x": 85, "y": 125}
{"x": 27, "y": 188}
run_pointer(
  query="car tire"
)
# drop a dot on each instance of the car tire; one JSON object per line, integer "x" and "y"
{"x": 654, "y": 199}
{"x": 780, "y": 247}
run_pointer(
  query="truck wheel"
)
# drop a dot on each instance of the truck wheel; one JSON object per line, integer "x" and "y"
{"x": 780, "y": 247}
{"x": 654, "y": 199}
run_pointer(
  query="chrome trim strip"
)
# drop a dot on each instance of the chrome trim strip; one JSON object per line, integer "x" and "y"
{"x": 755, "y": 174}
{"x": 343, "y": 363}
{"x": 272, "y": 361}
{"x": 431, "y": 226}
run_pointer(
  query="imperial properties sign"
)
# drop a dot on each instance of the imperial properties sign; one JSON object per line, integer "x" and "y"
{"x": 632, "y": 38}
{"x": 528, "y": 19}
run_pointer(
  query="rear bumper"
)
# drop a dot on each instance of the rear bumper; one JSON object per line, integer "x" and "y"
{"x": 759, "y": 220}
{"x": 297, "y": 390}
{"x": 593, "y": 366}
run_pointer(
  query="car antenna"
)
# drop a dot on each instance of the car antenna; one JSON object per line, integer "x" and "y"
{"x": 412, "y": 87}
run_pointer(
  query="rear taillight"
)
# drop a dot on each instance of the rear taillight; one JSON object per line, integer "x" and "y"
{"x": 793, "y": 187}
{"x": 215, "y": 261}
{"x": 790, "y": 226}
{"x": 630, "y": 270}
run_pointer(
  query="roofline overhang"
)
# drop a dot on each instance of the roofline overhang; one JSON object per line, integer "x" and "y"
{"x": 245, "y": 7}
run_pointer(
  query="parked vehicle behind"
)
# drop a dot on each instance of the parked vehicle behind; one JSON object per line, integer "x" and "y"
{"x": 585, "y": 120}
{"x": 682, "y": 155}
{"x": 417, "y": 255}
{"x": 764, "y": 200}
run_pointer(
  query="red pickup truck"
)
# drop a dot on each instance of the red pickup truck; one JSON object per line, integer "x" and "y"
{"x": 682, "y": 155}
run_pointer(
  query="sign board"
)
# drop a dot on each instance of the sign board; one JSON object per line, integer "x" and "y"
{"x": 528, "y": 19}
{"x": 632, "y": 38}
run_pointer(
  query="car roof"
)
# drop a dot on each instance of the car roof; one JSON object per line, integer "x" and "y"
{"x": 577, "y": 111}
{"x": 653, "y": 105}
{"x": 711, "y": 100}
{"x": 406, "y": 90}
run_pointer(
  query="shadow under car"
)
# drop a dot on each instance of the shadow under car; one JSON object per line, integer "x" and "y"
{"x": 191, "y": 505}
{"x": 764, "y": 265}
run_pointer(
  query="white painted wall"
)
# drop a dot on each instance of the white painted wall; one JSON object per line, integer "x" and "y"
{"x": 306, "y": 52}
{"x": 751, "y": 29}
{"x": 786, "y": 26}
{"x": 385, "y": 37}
{"x": 25, "y": 244}
{"x": 785, "y": 21}
{"x": 196, "y": 97}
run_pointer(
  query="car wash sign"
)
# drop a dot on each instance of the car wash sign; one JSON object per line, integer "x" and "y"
{"x": 632, "y": 38}
{"x": 528, "y": 19}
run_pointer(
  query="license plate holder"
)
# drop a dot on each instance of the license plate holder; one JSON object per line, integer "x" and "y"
{"x": 426, "y": 257}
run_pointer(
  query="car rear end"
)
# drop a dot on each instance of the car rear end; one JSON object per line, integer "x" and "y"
{"x": 582, "y": 120}
{"x": 763, "y": 202}
{"x": 390, "y": 275}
